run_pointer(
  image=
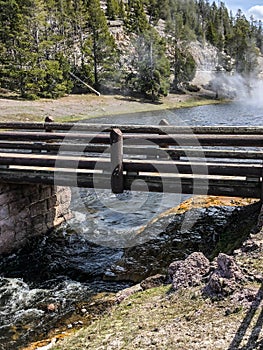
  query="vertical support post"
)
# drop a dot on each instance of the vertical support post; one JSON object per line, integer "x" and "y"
{"x": 164, "y": 122}
{"x": 116, "y": 140}
{"x": 260, "y": 217}
{"x": 48, "y": 120}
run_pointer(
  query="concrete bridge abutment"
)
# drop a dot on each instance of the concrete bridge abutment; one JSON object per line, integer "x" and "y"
{"x": 28, "y": 210}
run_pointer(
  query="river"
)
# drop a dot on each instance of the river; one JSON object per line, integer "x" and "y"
{"x": 66, "y": 267}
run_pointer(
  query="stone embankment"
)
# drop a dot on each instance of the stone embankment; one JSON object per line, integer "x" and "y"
{"x": 30, "y": 210}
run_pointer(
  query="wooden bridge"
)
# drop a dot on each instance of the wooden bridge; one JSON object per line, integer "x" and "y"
{"x": 223, "y": 160}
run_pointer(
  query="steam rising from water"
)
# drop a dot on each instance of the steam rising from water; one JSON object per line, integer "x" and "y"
{"x": 246, "y": 90}
{"x": 255, "y": 95}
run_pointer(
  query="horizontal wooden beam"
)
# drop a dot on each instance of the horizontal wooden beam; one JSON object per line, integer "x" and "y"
{"x": 130, "y": 150}
{"x": 131, "y": 165}
{"x": 140, "y": 139}
{"x": 57, "y": 147}
{"x": 198, "y": 140}
{"x": 216, "y": 153}
{"x": 191, "y": 167}
{"x": 154, "y": 129}
{"x": 52, "y": 136}
{"x": 196, "y": 186}
{"x": 54, "y": 161}
{"x": 194, "y": 152}
{"x": 61, "y": 153}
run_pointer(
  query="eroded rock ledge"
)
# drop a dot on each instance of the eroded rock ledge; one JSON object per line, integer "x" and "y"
{"x": 225, "y": 276}
{"x": 209, "y": 225}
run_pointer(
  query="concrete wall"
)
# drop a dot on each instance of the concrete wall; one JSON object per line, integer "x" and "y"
{"x": 30, "y": 210}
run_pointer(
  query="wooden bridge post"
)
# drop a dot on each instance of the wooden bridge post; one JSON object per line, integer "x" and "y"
{"x": 116, "y": 140}
{"x": 166, "y": 123}
{"x": 260, "y": 217}
{"x": 48, "y": 120}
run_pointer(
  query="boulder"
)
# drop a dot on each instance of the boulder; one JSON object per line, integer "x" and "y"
{"x": 225, "y": 279}
{"x": 189, "y": 272}
{"x": 125, "y": 293}
{"x": 153, "y": 281}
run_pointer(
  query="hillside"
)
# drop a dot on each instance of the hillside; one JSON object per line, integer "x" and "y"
{"x": 141, "y": 47}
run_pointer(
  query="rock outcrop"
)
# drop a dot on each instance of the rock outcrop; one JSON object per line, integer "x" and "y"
{"x": 226, "y": 278}
{"x": 189, "y": 272}
{"x": 176, "y": 235}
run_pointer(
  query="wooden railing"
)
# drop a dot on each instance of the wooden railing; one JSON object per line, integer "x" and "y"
{"x": 200, "y": 160}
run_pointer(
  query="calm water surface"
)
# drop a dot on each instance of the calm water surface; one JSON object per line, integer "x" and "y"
{"x": 67, "y": 266}
{"x": 235, "y": 113}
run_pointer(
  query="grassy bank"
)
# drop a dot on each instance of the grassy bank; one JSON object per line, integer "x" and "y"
{"x": 162, "y": 319}
{"x": 78, "y": 107}
{"x": 158, "y": 319}
{"x": 155, "y": 319}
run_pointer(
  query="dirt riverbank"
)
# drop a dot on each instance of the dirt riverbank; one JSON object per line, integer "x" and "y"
{"x": 75, "y": 107}
{"x": 160, "y": 318}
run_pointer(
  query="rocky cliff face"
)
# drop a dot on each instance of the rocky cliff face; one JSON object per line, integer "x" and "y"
{"x": 206, "y": 55}
{"x": 206, "y": 58}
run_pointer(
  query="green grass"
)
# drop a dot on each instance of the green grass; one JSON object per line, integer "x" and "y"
{"x": 21, "y": 112}
{"x": 158, "y": 319}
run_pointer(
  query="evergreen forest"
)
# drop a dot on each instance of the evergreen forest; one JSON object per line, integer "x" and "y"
{"x": 141, "y": 46}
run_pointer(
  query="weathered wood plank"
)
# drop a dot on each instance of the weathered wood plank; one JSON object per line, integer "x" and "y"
{"x": 230, "y": 169}
{"x": 131, "y": 165}
{"x": 141, "y": 139}
{"x": 158, "y": 129}
{"x": 50, "y": 136}
{"x": 57, "y": 147}
{"x": 198, "y": 140}
{"x": 196, "y": 186}
{"x": 129, "y": 150}
{"x": 177, "y": 175}
{"x": 231, "y": 188}
{"x": 193, "y": 152}
{"x": 54, "y": 161}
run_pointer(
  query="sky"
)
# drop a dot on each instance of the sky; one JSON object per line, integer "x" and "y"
{"x": 248, "y": 7}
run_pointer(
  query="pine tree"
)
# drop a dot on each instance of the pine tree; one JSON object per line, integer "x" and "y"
{"x": 242, "y": 46}
{"x": 151, "y": 70}
{"x": 259, "y": 36}
{"x": 112, "y": 9}
{"x": 181, "y": 61}
{"x": 29, "y": 59}
{"x": 41, "y": 41}
{"x": 17, "y": 40}
{"x": 122, "y": 13}
{"x": 153, "y": 10}
{"x": 136, "y": 20}
{"x": 203, "y": 11}
{"x": 100, "y": 48}
{"x": 212, "y": 34}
